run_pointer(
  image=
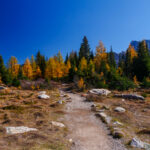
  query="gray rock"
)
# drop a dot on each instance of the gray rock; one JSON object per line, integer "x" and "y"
{"x": 60, "y": 102}
{"x": 58, "y": 124}
{"x": 130, "y": 96}
{"x": 119, "y": 109}
{"x": 2, "y": 87}
{"x": 106, "y": 119}
{"x": 139, "y": 144}
{"x": 43, "y": 96}
{"x": 117, "y": 133}
{"x": 117, "y": 123}
{"x": 16, "y": 130}
{"x": 100, "y": 91}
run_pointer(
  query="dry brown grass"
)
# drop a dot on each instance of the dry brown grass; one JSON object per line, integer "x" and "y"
{"x": 23, "y": 108}
{"x": 136, "y": 119}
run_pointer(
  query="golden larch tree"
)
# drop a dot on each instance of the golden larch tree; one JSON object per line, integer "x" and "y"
{"x": 27, "y": 69}
{"x": 13, "y": 66}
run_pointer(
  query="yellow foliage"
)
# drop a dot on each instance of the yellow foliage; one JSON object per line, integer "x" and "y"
{"x": 13, "y": 66}
{"x": 101, "y": 74}
{"x": 91, "y": 66}
{"x": 38, "y": 72}
{"x": 119, "y": 70}
{"x": 76, "y": 69}
{"x": 132, "y": 52}
{"x": 38, "y": 87}
{"x": 83, "y": 64}
{"x": 107, "y": 67}
{"x": 19, "y": 87}
{"x": 56, "y": 68}
{"x": 135, "y": 80}
{"x": 27, "y": 69}
{"x": 34, "y": 67}
{"x": 81, "y": 83}
{"x": 32, "y": 87}
{"x": 66, "y": 68}
{"x": 101, "y": 55}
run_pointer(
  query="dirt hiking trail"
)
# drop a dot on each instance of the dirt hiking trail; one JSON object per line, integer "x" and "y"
{"x": 87, "y": 131}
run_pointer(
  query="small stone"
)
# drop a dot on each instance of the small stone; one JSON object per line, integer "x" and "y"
{"x": 58, "y": 124}
{"x": 119, "y": 109}
{"x": 70, "y": 140}
{"x": 60, "y": 102}
{"x": 117, "y": 133}
{"x": 43, "y": 96}
{"x": 106, "y": 119}
{"x": 117, "y": 123}
{"x": 21, "y": 129}
{"x": 123, "y": 100}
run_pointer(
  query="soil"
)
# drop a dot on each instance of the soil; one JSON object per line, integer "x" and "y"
{"x": 86, "y": 131}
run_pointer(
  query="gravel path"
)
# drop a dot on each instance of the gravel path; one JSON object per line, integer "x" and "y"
{"x": 87, "y": 132}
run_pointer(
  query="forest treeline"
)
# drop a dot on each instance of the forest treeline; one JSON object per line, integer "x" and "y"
{"x": 84, "y": 68}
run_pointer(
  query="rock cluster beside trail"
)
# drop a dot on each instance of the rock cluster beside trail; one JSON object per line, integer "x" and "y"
{"x": 130, "y": 96}
{"x": 42, "y": 95}
{"x": 139, "y": 144}
{"x": 21, "y": 129}
{"x": 100, "y": 91}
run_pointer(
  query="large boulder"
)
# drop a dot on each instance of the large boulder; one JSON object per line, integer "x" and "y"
{"x": 130, "y": 96}
{"x": 119, "y": 109}
{"x": 139, "y": 144}
{"x": 100, "y": 91}
{"x": 21, "y": 129}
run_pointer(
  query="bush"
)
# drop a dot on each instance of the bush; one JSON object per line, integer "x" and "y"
{"x": 97, "y": 81}
{"x": 81, "y": 84}
{"x": 15, "y": 82}
{"x": 120, "y": 83}
{"x": 146, "y": 83}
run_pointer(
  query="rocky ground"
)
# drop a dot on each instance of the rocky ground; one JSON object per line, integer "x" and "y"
{"x": 86, "y": 131}
{"x": 23, "y": 109}
{"x": 61, "y": 120}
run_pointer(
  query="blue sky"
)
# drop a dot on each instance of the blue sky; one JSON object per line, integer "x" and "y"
{"x": 27, "y": 26}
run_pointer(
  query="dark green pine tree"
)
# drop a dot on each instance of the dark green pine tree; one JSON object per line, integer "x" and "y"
{"x": 84, "y": 49}
{"x": 91, "y": 55}
{"x": 4, "y": 73}
{"x": 121, "y": 62}
{"x": 111, "y": 58}
{"x": 41, "y": 62}
{"x": 20, "y": 74}
{"x": 66, "y": 59}
{"x": 142, "y": 62}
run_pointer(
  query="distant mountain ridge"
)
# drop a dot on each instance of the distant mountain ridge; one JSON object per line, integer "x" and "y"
{"x": 136, "y": 43}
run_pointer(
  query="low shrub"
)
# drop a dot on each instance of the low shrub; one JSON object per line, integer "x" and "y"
{"x": 146, "y": 83}
{"x": 120, "y": 83}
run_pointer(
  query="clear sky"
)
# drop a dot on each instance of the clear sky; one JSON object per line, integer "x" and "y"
{"x": 27, "y": 26}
